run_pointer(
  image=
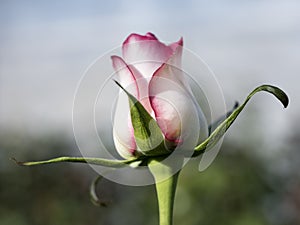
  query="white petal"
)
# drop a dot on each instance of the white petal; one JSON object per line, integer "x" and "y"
{"x": 122, "y": 128}
{"x": 146, "y": 52}
{"x": 177, "y": 113}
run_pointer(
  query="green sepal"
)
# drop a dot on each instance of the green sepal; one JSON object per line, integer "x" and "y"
{"x": 93, "y": 195}
{"x": 94, "y": 161}
{"x": 148, "y": 136}
{"x": 216, "y": 123}
{"x": 217, "y": 134}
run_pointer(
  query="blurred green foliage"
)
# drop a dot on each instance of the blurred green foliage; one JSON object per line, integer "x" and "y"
{"x": 239, "y": 188}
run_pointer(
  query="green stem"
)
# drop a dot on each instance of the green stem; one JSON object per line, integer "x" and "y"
{"x": 165, "y": 182}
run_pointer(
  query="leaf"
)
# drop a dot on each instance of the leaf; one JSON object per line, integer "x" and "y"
{"x": 148, "y": 136}
{"x": 216, "y": 135}
{"x": 95, "y": 161}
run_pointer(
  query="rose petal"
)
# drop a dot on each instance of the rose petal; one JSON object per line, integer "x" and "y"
{"x": 175, "y": 45}
{"x": 137, "y": 37}
{"x": 125, "y": 75}
{"x": 122, "y": 128}
{"x": 146, "y": 52}
{"x": 175, "y": 108}
{"x": 131, "y": 79}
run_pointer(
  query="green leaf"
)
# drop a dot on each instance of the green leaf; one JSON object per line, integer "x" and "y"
{"x": 148, "y": 136}
{"x": 216, "y": 135}
{"x": 94, "y": 161}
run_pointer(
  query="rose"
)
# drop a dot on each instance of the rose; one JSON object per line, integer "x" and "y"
{"x": 162, "y": 114}
{"x": 151, "y": 72}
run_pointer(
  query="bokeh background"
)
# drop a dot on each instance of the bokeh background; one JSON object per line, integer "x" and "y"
{"x": 45, "y": 47}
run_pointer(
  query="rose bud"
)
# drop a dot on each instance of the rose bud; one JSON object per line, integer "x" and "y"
{"x": 150, "y": 71}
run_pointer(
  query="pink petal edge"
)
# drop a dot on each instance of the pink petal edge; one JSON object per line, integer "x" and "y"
{"x": 147, "y": 53}
{"x": 119, "y": 66}
{"x": 137, "y": 37}
{"x": 126, "y": 77}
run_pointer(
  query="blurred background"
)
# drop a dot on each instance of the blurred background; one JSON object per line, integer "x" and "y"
{"x": 45, "y": 47}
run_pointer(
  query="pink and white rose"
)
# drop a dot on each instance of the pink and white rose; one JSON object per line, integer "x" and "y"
{"x": 151, "y": 71}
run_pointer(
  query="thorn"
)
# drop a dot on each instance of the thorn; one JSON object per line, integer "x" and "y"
{"x": 236, "y": 104}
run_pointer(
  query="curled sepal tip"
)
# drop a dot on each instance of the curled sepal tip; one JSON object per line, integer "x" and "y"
{"x": 93, "y": 195}
{"x": 277, "y": 92}
{"x": 217, "y": 134}
{"x": 94, "y": 161}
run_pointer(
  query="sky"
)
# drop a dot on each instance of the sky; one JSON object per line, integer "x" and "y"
{"x": 46, "y": 46}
